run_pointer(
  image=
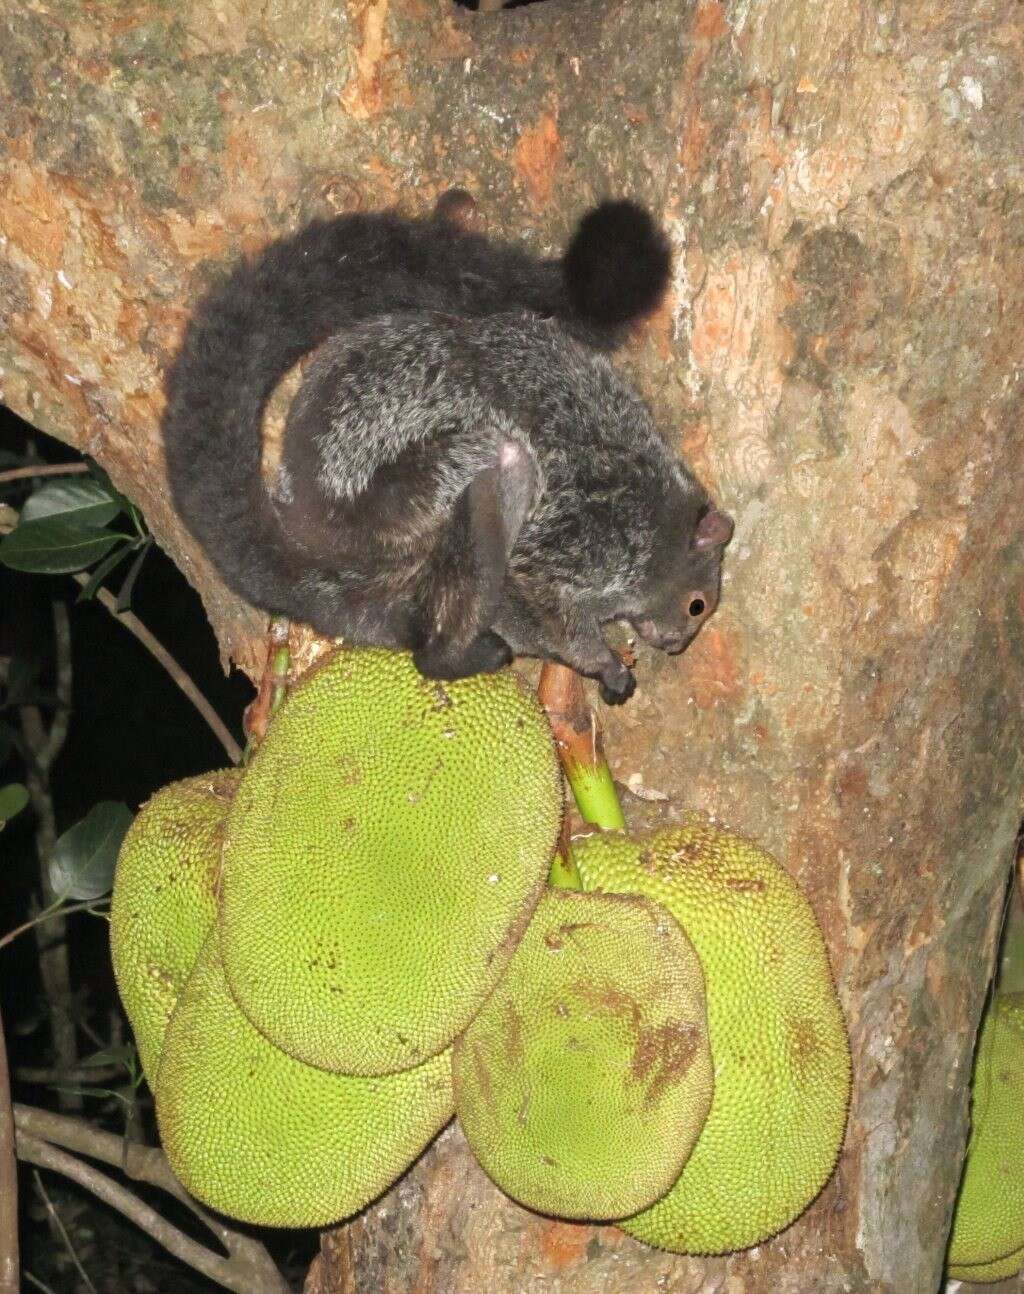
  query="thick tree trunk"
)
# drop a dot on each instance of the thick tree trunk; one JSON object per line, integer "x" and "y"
{"x": 841, "y": 358}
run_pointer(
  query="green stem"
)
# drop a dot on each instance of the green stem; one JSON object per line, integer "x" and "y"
{"x": 564, "y": 874}
{"x": 578, "y": 742}
{"x": 273, "y": 686}
{"x": 281, "y": 664}
{"x": 595, "y": 793}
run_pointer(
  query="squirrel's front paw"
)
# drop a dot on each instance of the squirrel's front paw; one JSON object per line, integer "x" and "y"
{"x": 486, "y": 653}
{"x": 617, "y": 684}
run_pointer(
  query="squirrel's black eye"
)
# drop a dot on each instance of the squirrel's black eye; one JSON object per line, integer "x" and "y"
{"x": 696, "y": 607}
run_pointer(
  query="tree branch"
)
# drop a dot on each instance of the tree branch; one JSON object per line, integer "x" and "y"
{"x": 8, "y": 520}
{"x": 47, "y": 1074}
{"x": 54, "y": 743}
{"x": 156, "y": 649}
{"x": 248, "y": 1266}
{"x": 8, "y": 1181}
{"x": 46, "y": 469}
{"x": 42, "y": 748}
{"x": 57, "y": 1223}
{"x": 39, "y": 1285}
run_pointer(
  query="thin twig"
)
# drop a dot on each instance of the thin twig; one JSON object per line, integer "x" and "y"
{"x": 8, "y": 519}
{"x": 222, "y": 1270}
{"x": 64, "y": 679}
{"x": 62, "y": 1230}
{"x": 46, "y": 746}
{"x": 8, "y": 1182}
{"x": 34, "y": 1280}
{"x": 48, "y": 914}
{"x": 248, "y": 1268}
{"x": 156, "y": 649}
{"x": 90, "y": 1075}
{"x": 42, "y": 747}
{"x": 44, "y": 469}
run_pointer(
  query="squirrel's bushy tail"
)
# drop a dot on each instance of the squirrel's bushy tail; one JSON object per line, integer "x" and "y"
{"x": 617, "y": 266}
{"x": 269, "y": 312}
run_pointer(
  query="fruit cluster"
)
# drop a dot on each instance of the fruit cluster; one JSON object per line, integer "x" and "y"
{"x": 326, "y": 955}
{"x": 987, "y": 1241}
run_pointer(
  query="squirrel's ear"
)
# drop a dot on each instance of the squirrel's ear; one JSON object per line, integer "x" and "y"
{"x": 714, "y": 530}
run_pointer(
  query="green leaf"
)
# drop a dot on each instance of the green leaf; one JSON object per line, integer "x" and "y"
{"x": 55, "y": 545}
{"x": 121, "y": 1055}
{"x": 109, "y": 488}
{"x": 124, "y": 598}
{"x": 82, "y": 865}
{"x": 13, "y": 798}
{"x": 100, "y": 573}
{"x": 139, "y": 522}
{"x": 78, "y": 498}
{"x": 77, "y": 1089}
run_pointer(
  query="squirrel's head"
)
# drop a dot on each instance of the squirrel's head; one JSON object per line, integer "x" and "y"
{"x": 683, "y": 580}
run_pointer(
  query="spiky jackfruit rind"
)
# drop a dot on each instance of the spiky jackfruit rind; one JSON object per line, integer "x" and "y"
{"x": 386, "y": 848}
{"x": 584, "y": 1080}
{"x": 988, "y": 1221}
{"x": 164, "y": 900}
{"x": 778, "y": 1038}
{"x": 268, "y": 1140}
{"x": 1000, "y": 1269}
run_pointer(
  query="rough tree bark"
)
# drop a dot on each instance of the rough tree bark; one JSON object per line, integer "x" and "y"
{"x": 841, "y": 357}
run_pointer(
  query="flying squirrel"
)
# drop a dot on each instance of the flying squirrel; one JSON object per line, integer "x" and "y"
{"x": 463, "y": 473}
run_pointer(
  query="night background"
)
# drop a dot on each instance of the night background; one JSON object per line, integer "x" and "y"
{"x": 131, "y": 731}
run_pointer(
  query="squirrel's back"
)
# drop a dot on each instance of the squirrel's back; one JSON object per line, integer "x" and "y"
{"x": 333, "y": 276}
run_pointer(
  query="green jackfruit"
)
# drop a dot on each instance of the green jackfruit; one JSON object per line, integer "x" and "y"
{"x": 586, "y": 1077}
{"x": 988, "y": 1273}
{"x": 778, "y": 1040}
{"x": 988, "y": 1223}
{"x": 164, "y": 900}
{"x": 269, "y": 1140}
{"x": 385, "y": 850}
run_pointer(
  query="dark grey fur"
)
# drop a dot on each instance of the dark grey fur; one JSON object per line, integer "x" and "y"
{"x": 462, "y": 472}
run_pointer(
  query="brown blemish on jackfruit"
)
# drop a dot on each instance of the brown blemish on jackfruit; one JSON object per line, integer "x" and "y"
{"x": 608, "y": 993}
{"x": 746, "y": 884}
{"x": 690, "y": 851}
{"x": 669, "y": 1050}
{"x": 513, "y": 1035}
{"x": 805, "y": 1041}
{"x": 442, "y": 701}
{"x": 483, "y": 1075}
{"x": 781, "y": 1054}
{"x": 613, "y": 1000}
{"x": 556, "y": 940}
